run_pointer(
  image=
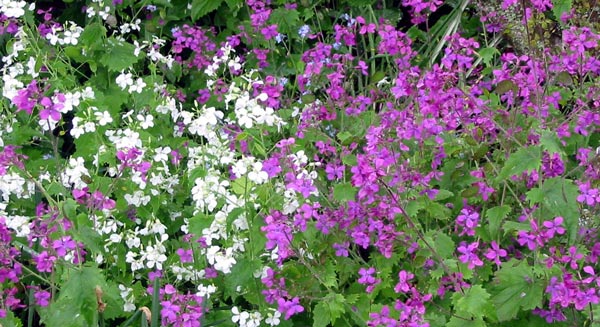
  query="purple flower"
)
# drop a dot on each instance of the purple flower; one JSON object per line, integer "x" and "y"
{"x": 42, "y": 298}
{"x": 554, "y": 226}
{"x": 495, "y": 253}
{"x": 341, "y": 250}
{"x": 289, "y": 308}
{"x": 64, "y": 245}
{"x": 44, "y": 262}
{"x": 589, "y": 196}
{"x": 467, "y": 220}
{"x": 185, "y": 255}
{"x": 403, "y": 278}
{"x": 468, "y": 254}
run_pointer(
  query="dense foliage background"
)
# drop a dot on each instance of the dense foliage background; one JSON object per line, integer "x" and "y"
{"x": 311, "y": 163}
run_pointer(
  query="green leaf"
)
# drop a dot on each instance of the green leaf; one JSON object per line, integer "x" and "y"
{"x": 119, "y": 55}
{"x": 550, "y": 142}
{"x": 77, "y": 302}
{"x": 344, "y": 192}
{"x": 443, "y": 195}
{"x": 457, "y": 322}
{"x": 444, "y": 245}
{"x": 495, "y": 217}
{"x": 560, "y": 199}
{"x": 560, "y": 7}
{"x": 241, "y": 185}
{"x": 321, "y": 315}
{"x": 202, "y": 7}
{"x": 516, "y": 287}
{"x": 10, "y": 320}
{"x": 487, "y": 54}
{"x": 93, "y": 34}
{"x": 286, "y": 19}
{"x": 474, "y": 303}
{"x": 524, "y": 159}
{"x": 334, "y": 308}
{"x": 242, "y": 275}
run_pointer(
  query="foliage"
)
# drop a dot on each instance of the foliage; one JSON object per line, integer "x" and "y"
{"x": 320, "y": 163}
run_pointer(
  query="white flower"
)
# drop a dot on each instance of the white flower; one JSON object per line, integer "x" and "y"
{"x": 257, "y": 175}
{"x": 124, "y": 80}
{"x": 162, "y": 154}
{"x": 87, "y": 93}
{"x": 138, "y": 86}
{"x": 103, "y": 118}
{"x": 19, "y": 224}
{"x": 146, "y": 122}
{"x": 77, "y": 130}
{"x": 239, "y": 317}
{"x": 206, "y": 291}
{"x": 273, "y": 318}
{"x": 12, "y": 9}
{"x": 254, "y": 319}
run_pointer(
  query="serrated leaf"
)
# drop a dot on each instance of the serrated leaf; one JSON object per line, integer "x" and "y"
{"x": 321, "y": 315}
{"x": 444, "y": 245}
{"x": 92, "y": 34}
{"x": 550, "y": 142}
{"x": 487, "y": 54}
{"x": 242, "y": 275}
{"x": 77, "y": 299}
{"x": 330, "y": 276}
{"x": 515, "y": 288}
{"x": 286, "y": 19}
{"x": 458, "y": 322}
{"x": 443, "y": 195}
{"x": 474, "y": 303}
{"x": 495, "y": 216}
{"x": 525, "y": 159}
{"x": 560, "y": 199}
{"x": 344, "y": 192}
{"x": 560, "y": 7}
{"x": 413, "y": 207}
{"x": 201, "y": 8}
{"x": 119, "y": 55}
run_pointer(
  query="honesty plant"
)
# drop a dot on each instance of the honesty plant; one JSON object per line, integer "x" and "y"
{"x": 298, "y": 164}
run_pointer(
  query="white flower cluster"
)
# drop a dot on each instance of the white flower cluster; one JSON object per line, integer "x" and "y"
{"x": 68, "y": 36}
{"x": 128, "y": 298}
{"x": 207, "y": 190}
{"x": 153, "y": 52}
{"x": 20, "y": 224}
{"x": 250, "y": 167}
{"x": 206, "y": 122}
{"x": 124, "y": 139}
{"x": 13, "y": 68}
{"x": 125, "y": 81}
{"x": 249, "y": 112}
{"x": 73, "y": 172}
{"x": 149, "y": 255}
{"x": 217, "y": 61}
{"x": 13, "y": 9}
{"x": 245, "y": 318}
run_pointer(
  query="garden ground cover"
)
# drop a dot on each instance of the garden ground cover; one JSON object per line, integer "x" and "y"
{"x": 311, "y": 163}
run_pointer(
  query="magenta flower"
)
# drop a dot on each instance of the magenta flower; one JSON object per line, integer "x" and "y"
{"x": 403, "y": 278}
{"x": 468, "y": 254}
{"x": 44, "y": 262}
{"x": 42, "y": 298}
{"x": 495, "y": 253}
{"x": 289, "y": 308}
{"x": 185, "y": 255}
{"x": 554, "y": 226}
